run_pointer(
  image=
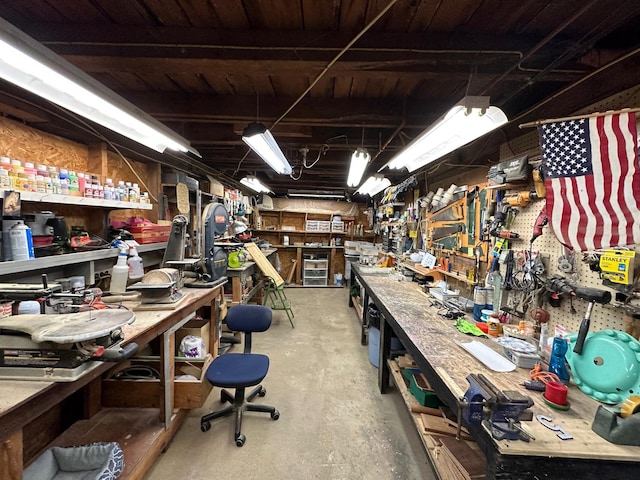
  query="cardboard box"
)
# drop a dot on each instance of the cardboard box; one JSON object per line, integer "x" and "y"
{"x": 198, "y": 327}
{"x": 215, "y": 187}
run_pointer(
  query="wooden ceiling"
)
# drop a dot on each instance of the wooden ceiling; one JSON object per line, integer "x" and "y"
{"x": 326, "y": 77}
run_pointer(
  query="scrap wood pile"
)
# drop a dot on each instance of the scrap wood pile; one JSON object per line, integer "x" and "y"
{"x": 454, "y": 459}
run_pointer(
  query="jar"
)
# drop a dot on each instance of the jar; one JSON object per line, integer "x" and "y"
{"x": 6, "y": 182}
{"x": 40, "y": 184}
{"x": 33, "y": 184}
{"x": 21, "y": 182}
{"x": 5, "y": 163}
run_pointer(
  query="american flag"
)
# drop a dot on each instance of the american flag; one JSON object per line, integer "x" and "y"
{"x": 592, "y": 175}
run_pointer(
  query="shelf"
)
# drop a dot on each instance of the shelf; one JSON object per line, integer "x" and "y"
{"x": 299, "y": 232}
{"x": 79, "y": 201}
{"x": 57, "y": 261}
{"x": 430, "y": 271}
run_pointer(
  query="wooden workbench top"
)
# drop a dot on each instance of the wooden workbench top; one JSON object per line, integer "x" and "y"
{"x": 436, "y": 338}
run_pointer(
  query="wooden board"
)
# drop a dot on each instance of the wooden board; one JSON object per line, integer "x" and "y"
{"x": 294, "y": 263}
{"x": 471, "y": 463}
{"x": 149, "y": 307}
{"x": 433, "y": 424}
{"x": 264, "y": 264}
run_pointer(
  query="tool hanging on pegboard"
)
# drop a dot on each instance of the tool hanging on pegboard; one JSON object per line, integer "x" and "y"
{"x": 567, "y": 261}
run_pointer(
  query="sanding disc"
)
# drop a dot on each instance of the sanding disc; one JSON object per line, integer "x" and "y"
{"x": 182, "y": 198}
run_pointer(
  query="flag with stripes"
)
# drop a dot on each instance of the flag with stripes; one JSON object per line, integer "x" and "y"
{"x": 592, "y": 175}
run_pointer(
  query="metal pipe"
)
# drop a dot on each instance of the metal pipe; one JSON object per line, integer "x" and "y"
{"x": 539, "y": 45}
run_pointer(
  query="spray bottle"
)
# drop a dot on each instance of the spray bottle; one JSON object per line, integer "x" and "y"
{"x": 136, "y": 268}
{"x": 120, "y": 273}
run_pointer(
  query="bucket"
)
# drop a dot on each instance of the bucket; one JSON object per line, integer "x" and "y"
{"x": 374, "y": 346}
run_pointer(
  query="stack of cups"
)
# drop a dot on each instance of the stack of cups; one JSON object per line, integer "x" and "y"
{"x": 481, "y": 301}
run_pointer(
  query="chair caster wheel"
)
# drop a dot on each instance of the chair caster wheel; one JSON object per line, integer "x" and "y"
{"x": 205, "y": 426}
{"x": 262, "y": 392}
{"x": 240, "y": 439}
{"x": 275, "y": 415}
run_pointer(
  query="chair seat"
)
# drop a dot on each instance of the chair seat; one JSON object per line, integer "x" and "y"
{"x": 233, "y": 370}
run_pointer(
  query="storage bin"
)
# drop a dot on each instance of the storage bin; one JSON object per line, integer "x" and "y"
{"x": 374, "y": 345}
{"x": 420, "y": 389}
{"x": 150, "y": 233}
{"x": 198, "y": 327}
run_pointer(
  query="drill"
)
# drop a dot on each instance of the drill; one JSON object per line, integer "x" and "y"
{"x": 505, "y": 234}
{"x": 541, "y": 221}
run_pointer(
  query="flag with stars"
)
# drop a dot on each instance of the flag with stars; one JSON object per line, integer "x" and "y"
{"x": 592, "y": 176}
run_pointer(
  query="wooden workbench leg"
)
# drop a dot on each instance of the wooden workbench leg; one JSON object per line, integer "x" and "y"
{"x": 300, "y": 266}
{"x": 236, "y": 290}
{"x": 363, "y": 319}
{"x": 385, "y": 353}
{"x": 11, "y": 459}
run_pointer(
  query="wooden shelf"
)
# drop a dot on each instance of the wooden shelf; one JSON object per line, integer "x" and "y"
{"x": 436, "y": 271}
{"x": 55, "y": 261}
{"x": 139, "y": 432}
{"x": 430, "y": 441}
{"x": 79, "y": 201}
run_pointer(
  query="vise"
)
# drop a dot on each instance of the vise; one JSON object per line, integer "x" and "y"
{"x": 498, "y": 411}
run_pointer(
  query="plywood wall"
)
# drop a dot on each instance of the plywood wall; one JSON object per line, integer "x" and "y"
{"x": 28, "y": 144}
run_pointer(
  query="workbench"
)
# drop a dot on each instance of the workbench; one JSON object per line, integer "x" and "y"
{"x": 433, "y": 341}
{"x": 239, "y": 276}
{"x": 35, "y": 415}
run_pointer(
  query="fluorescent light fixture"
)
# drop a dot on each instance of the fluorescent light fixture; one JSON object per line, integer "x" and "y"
{"x": 33, "y": 67}
{"x": 254, "y": 184}
{"x": 373, "y": 185}
{"x": 468, "y": 120}
{"x": 315, "y": 194}
{"x": 262, "y": 142}
{"x": 359, "y": 162}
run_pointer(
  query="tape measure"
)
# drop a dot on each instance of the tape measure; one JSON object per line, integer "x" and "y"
{"x": 630, "y": 406}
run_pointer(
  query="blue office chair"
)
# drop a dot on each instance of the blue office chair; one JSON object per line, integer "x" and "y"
{"x": 241, "y": 370}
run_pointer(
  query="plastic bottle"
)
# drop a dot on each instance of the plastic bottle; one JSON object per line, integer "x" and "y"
{"x": 134, "y": 193}
{"x": 120, "y": 273}
{"x": 64, "y": 181}
{"x": 81, "y": 183}
{"x": 21, "y": 242}
{"x": 557, "y": 362}
{"x": 74, "y": 184}
{"x": 136, "y": 268}
{"x": 123, "y": 192}
{"x": 109, "y": 190}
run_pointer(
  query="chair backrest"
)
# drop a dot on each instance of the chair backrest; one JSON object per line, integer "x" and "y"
{"x": 249, "y": 318}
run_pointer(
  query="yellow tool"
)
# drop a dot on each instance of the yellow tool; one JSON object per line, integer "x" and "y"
{"x": 521, "y": 199}
{"x": 538, "y": 182}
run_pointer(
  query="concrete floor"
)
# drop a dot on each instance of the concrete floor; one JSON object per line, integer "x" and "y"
{"x": 334, "y": 423}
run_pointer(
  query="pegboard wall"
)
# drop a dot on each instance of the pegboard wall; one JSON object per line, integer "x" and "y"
{"x": 603, "y": 317}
